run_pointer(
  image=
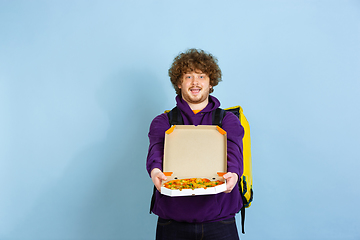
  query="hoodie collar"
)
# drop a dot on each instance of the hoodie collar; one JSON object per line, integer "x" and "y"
{"x": 213, "y": 104}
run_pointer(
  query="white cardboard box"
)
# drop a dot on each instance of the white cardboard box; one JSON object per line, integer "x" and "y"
{"x": 195, "y": 152}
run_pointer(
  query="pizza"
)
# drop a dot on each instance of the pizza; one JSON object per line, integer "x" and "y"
{"x": 191, "y": 183}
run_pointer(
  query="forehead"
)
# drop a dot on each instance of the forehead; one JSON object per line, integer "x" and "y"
{"x": 190, "y": 71}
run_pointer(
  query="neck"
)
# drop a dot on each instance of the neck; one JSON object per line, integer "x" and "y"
{"x": 198, "y": 106}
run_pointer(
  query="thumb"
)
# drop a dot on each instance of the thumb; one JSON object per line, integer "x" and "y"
{"x": 227, "y": 175}
{"x": 162, "y": 176}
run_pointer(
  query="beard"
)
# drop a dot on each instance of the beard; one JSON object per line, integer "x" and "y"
{"x": 195, "y": 98}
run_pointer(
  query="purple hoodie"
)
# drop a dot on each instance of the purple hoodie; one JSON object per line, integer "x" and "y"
{"x": 205, "y": 208}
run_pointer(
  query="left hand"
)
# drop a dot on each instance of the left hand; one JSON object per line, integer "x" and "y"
{"x": 231, "y": 180}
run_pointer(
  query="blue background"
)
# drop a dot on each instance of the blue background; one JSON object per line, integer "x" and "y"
{"x": 80, "y": 82}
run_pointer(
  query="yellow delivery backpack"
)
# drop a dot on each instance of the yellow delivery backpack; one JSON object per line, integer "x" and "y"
{"x": 246, "y": 179}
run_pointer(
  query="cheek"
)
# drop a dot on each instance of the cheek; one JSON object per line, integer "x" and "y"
{"x": 183, "y": 84}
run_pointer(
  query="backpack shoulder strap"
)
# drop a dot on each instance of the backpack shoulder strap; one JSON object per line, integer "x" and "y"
{"x": 217, "y": 116}
{"x": 152, "y": 203}
{"x": 175, "y": 117}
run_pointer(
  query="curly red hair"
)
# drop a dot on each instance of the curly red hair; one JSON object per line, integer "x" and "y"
{"x": 194, "y": 60}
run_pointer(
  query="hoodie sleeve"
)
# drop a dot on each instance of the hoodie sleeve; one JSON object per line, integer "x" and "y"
{"x": 235, "y": 133}
{"x": 156, "y": 138}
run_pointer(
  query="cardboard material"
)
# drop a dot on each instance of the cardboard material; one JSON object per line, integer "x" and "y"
{"x": 195, "y": 152}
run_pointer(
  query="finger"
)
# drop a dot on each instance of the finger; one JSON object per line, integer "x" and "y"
{"x": 163, "y": 177}
{"x": 228, "y": 191}
{"x": 160, "y": 177}
{"x": 230, "y": 184}
{"x": 158, "y": 185}
{"x": 228, "y": 175}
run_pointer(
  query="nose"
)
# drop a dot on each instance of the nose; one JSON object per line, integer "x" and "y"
{"x": 195, "y": 79}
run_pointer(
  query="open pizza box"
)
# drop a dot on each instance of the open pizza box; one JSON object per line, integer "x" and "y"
{"x": 195, "y": 152}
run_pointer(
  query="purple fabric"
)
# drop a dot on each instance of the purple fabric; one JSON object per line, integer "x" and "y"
{"x": 207, "y": 208}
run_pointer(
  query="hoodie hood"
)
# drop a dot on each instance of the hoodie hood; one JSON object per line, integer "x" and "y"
{"x": 200, "y": 118}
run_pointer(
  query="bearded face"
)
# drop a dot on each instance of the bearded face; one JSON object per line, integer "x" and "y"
{"x": 195, "y": 88}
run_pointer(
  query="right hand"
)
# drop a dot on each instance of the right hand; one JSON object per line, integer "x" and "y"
{"x": 157, "y": 176}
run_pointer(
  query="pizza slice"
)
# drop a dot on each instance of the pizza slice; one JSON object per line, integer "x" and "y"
{"x": 191, "y": 183}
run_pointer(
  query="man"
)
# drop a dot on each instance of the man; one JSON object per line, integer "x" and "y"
{"x": 194, "y": 75}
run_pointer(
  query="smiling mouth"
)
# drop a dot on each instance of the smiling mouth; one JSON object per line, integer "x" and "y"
{"x": 195, "y": 90}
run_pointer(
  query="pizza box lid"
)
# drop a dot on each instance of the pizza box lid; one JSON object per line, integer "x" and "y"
{"x": 195, "y": 152}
